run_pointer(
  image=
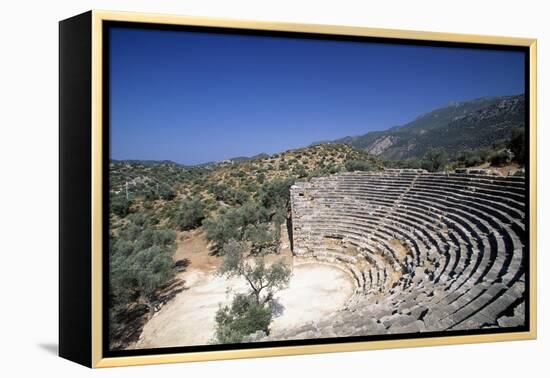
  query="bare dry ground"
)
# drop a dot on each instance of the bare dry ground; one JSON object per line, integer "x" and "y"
{"x": 193, "y": 246}
{"x": 314, "y": 292}
{"x": 189, "y": 318}
{"x": 503, "y": 170}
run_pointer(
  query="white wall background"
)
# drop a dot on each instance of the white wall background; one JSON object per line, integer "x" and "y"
{"x": 28, "y": 152}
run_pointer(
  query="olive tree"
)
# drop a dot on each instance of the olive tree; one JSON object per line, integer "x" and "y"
{"x": 252, "y": 311}
{"x": 263, "y": 280}
{"x": 276, "y": 193}
{"x": 191, "y": 214}
{"x": 232, "y": 223}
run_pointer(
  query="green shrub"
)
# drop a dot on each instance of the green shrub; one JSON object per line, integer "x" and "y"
{"x": 119, "y": 205}
{"x": 152, "y": 268}
{"x": 150, "y": 195}
{"x": 221, "y": 229}
{"x": 484, "y": 154}
{"x": 244, "y": 317}
{"x": 299, "y": 171}
{"x": 166, "y": 192}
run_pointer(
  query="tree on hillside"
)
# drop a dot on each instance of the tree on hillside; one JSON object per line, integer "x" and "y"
{"x": 300, "y": 171}
{"x": 276, "y": 193}
{"x": 119, "y": 205}
{"x": 236, "y": 196}
{"x": 140, "y": 262}
{"x": 191, "y": 214}
{"x": 153, "y": 268}
{"x": 232, "y": 223}
{"x": 359, "y": 165}
{"x": 223, "y": 228}
{"x": 165, "y": 192}
{"x": 260, "y": 177}
{"x": 469, "y": 158}
{"x": 435, "y": 159}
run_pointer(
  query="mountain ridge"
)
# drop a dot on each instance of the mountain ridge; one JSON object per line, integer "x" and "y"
{"x": 471, "y": 124}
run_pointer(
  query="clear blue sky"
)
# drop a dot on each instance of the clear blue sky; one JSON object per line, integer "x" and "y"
{"x": 198, "y": 97}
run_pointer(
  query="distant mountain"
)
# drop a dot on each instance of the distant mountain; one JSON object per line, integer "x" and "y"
{"x": 147, "y": 163}
{"x": 209, "y": 164}
{"x": 234, "y": 160}
{"x": 458, "y": 126}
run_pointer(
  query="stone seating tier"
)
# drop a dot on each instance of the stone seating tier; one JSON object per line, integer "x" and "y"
{"x": 428, "y": 251}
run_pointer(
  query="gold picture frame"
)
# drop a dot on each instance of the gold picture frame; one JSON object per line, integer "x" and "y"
{"x": 91, "y": 24}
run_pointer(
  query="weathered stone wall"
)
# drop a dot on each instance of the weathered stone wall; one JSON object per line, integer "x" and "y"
{"x": 302, "y": 208}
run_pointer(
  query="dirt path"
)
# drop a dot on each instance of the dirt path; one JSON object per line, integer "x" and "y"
{"x": 193, "y": 247}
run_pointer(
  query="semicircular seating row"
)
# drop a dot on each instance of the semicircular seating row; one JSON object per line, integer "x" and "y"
{"x": 428, "y": 251}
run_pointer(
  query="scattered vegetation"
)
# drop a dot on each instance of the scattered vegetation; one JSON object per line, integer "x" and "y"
{"x": 500, "y": 153}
